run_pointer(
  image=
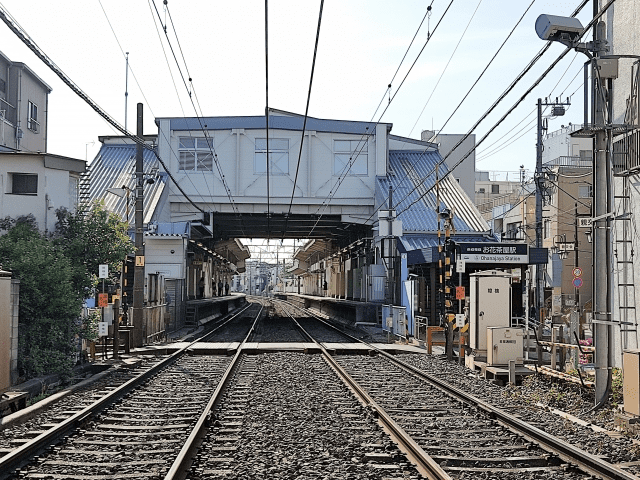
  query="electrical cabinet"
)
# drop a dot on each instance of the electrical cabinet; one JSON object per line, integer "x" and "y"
{"x": 631, "y": 382}
{"x": 504, "y": 344}
{"x": 490, "y": 306}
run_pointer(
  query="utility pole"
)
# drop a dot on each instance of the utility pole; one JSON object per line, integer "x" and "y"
{"x": 539, "y": 299}
{"x": 602, "y": 318}
{"x": 138, "y": 279}
{"x": 558, "y": 110}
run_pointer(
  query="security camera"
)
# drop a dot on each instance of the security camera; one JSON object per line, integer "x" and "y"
{"x": 560, "y": 29}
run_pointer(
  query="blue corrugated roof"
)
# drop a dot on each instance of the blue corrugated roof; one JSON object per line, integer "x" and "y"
{"x": 114, "y": 167}
{"x": 276, "y": 121}
{"x": 412, "y": 173}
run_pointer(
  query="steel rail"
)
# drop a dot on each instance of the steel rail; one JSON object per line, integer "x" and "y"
{"x": 182, "y": 462}
{"x": 23, "y": 454}
{"x": 422, "y": 460}
{"x": 570, "y": 453}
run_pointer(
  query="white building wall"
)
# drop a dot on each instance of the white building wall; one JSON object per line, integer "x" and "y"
{"x": 465, "y": 172}
{"x": 165, "y": 255}
{"x": 54, "y": 190}
{"x": 623, "y": 34}
{"x": 235, "y": 149}
{"x": 559, "y": 143}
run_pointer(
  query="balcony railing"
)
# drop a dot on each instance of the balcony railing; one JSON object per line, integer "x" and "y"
{"x": 33, "y": 125}
{"x": 570, "y": 161}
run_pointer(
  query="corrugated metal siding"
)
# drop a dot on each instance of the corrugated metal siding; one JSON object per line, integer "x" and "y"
{"x": 412, "y": 170}
{"x": 114, "y": 167}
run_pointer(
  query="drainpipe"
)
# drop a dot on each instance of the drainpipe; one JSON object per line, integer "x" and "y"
{"x": 18, "y": 110}
{"x": 46, "y": 122}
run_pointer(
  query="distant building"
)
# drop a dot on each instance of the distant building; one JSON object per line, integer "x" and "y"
{"x": 24, "y": 107}
{"x": 465, "y": 172}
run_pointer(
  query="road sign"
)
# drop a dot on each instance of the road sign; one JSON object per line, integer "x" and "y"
{"x": 577, "y": 282}
{"x": 577, "y": 272}
{"x": 103, "y": 329}
{"x": 103, "y": 299}
{"x": 585, "y": 222}
{"x": 103, "y": 271}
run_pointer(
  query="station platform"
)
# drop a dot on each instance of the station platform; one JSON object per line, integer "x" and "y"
{"x": 347, "y": 312}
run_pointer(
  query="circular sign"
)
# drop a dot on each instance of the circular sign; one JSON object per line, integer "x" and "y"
{"x": 577, "y": 282}
{"x": 577, "y": 272}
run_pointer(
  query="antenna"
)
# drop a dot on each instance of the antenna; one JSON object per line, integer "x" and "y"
{"x": 126, "y": 91}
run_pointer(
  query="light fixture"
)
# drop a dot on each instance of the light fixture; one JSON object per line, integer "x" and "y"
{"x": 589, "y": 234}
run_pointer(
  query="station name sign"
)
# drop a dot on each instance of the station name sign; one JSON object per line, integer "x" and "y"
{"x": 494, "y": 252}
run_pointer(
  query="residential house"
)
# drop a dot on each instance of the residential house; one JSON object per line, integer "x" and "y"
{"x": 23, "y": 107}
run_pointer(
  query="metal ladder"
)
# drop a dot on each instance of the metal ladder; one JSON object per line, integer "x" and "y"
{"x": 624, "y": 255}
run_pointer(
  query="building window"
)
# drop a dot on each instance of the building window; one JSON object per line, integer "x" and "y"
{"x": 24, "y": 184}
{"x": 585, "y": 191}
{"x": 547, "y": 228}
{"x": 195, "y": 154}
{"x": 32, "y": 121}
{"x": 278, "y": 156}
{"x": 3, "y": 86}
{"x": 495, "y": 188}
{"x": 350, "y": 152}
{"x": 73, "y": 191}
{"x": 481, "y": 190}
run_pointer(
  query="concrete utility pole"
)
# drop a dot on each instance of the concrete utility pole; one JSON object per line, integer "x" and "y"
{"x": 558, "y": 110}
{"x": 602, "y": 317}
{"x": 539, "y": 299}
{"x": 138, "y": 278}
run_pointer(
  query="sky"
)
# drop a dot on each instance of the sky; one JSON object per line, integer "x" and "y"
{"x": 360, "y": 48}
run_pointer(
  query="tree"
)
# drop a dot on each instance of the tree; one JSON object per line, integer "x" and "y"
{"x": 49, "y": 304}
{"x": 56, "y": 274}
{"x": 91, "y": 237}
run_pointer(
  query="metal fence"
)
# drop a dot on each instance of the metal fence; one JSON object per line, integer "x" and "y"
{"x": 176, "y": 303}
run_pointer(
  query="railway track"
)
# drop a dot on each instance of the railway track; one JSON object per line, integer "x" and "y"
{"x": 465, "y": 436}
{"x": 136, "y": 431}
{"x": 18, "y": 430}
{"x": 289, "y": 414}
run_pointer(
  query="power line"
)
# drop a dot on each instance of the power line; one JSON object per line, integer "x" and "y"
{"x": 444, "y": 70}
{"x": 30, "y": 43}
{"x": 535, "y": 84}
{"x": 504, "y": 94}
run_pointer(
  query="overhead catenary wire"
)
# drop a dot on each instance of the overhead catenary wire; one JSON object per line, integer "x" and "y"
{"x": 175, "y": 87}
{"x": 306, "y": 113}
{"x": 199, "y": 117}
{"x": 266, "y": 108}
{"x": 353, "y": 158}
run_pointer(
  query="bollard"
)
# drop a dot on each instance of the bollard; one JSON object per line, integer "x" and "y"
{"x": 512, "y": 372}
